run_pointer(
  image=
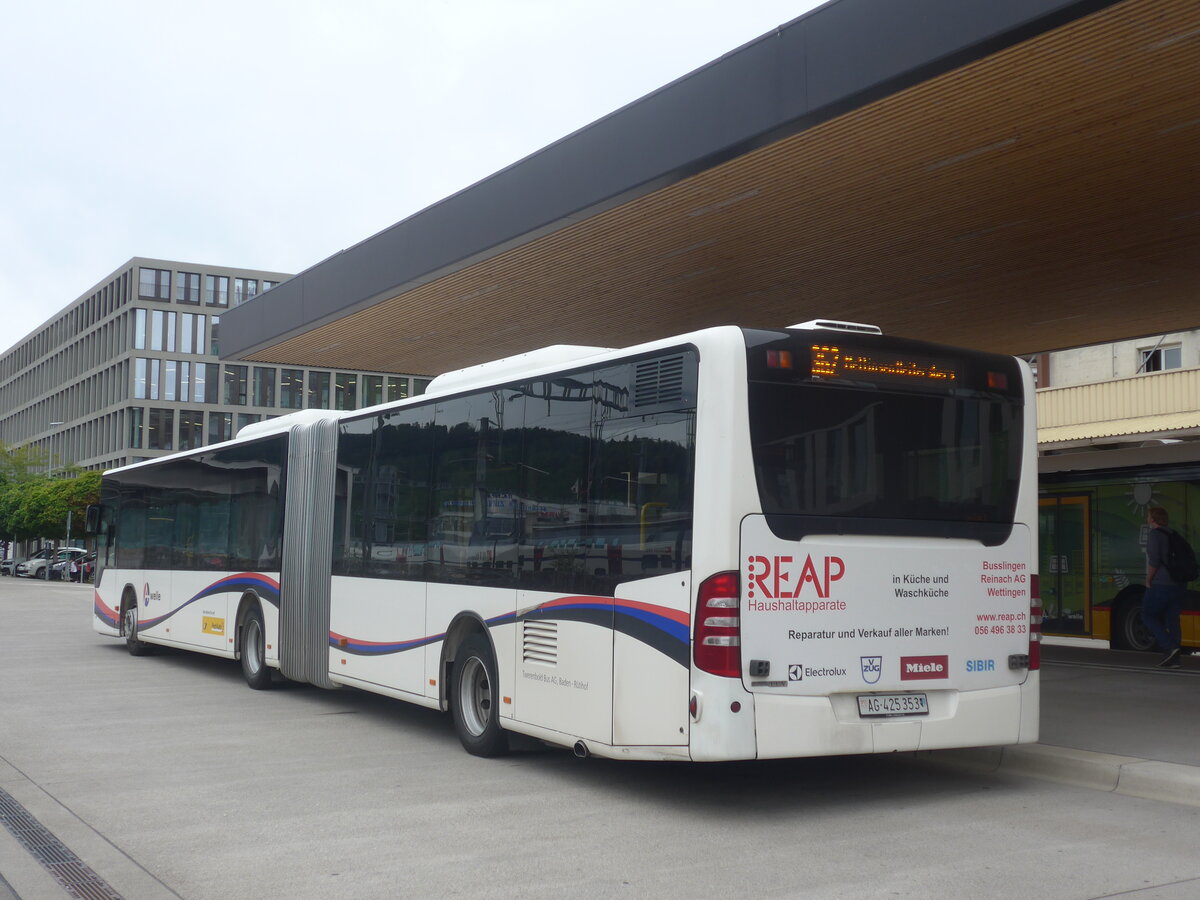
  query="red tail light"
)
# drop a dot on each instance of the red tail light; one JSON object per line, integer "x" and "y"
{"x": 1035, "y": 623}
{"x": 717, "y": 639}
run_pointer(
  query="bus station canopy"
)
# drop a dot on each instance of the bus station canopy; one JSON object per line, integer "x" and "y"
{"x": 1017, "y": 177}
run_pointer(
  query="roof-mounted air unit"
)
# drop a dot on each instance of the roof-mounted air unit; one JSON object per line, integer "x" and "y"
{"x": 836, "y": 325}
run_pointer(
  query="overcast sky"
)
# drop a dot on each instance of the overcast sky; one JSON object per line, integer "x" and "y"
{"x": 272, "y": 133}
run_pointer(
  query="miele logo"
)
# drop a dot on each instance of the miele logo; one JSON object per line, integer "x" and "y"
{"x": 776, "y": 576}
{"x": 914, "y": 668}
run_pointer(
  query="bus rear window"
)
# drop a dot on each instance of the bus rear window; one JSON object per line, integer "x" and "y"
{"x": 858, "y": 452}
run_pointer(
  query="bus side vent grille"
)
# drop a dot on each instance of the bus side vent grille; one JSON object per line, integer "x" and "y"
{"x": 658, "y": 381}
{"x": 540, "y": 642}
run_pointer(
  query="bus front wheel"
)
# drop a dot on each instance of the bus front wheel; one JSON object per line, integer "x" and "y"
{"x": 129, "y": 620}
{"x": 474, "y": 693}
{"x": 1133, "y": 633}
{"x": 253, "y": 651}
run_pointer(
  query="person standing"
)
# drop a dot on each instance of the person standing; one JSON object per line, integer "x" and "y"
{"x": 1163, "y": 600}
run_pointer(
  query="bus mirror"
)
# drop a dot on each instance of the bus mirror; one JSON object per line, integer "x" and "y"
{"x": 92, "y": 523}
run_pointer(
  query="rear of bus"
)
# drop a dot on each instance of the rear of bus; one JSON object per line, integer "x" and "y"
{"x": 885, "y": 597}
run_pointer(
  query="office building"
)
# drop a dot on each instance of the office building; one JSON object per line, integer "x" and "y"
{"x": 131, "y": 370}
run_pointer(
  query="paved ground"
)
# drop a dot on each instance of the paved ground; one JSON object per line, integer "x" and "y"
{"x": 166, "y": 777}
{"x": 1115, "y": 701}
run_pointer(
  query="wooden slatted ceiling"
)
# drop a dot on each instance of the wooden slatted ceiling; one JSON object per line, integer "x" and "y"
{"x": 1046, "y": 196}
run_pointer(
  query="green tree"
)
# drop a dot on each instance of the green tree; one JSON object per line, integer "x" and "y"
{"x": 77, "y": 495}
{"x": 21, "y": 464}
{"x": 37, "y": 507}
{"x": 10, "y": 518}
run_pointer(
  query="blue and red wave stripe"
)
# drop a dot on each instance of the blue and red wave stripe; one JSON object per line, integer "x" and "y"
{"x": 664, "y": 629}
{"x": 263, "y": 585}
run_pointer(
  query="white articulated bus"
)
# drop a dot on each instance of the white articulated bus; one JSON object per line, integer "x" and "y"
{"x": 737, "y": 543}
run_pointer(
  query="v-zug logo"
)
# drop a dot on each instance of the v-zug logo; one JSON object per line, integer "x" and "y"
{"x": 872, "y": 668}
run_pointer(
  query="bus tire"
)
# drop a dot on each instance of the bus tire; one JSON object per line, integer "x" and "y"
{"x": 252, "y": 651}
{"x": 473, "y": 699}
{"x": 129, "y": 620}
{"x": 1131, "y": 631}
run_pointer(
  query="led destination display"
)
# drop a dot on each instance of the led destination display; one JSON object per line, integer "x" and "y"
{"x": 829, "y": 361}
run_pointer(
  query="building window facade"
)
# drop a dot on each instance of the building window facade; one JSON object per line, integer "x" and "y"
{"x": 187, "y": 287}
{"x": 136, "y": 427}
{"x": 128, "y": 365}
{"x": 160, "y": 429}
{"x": 220, "y": 427}
{"x": 264, "y": 386}
{"x": 372, "y": 390}
{"x": 154, "y": 284}
{"x": 1159, "y": 359}
{"x": 244, "y": 289}
{"x": 318, "y": 390}
{"x": 216, "y": 290}
{"x": 235, "y": 385}
{"x": 291, "y": 388}
{"x": 191, "y": 429}
{"x": 345, "y": 391}
{"x": 141, "y": 376}
{"x": 204, "y": 383}
{"x": 192, "y": 338}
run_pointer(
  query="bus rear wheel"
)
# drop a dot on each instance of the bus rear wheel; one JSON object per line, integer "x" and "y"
{"x": 253, "y": 651}
{"x": 473, "y": 699}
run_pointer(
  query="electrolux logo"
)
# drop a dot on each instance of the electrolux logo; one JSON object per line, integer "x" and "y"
{"x": 916, "y": 668}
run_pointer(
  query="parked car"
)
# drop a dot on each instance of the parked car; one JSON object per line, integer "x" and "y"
{"x": 35, "y": 566}
{"x": 9, "y": 566}
{"x": 85, "y": 568}
{"x": 19, "y": 565}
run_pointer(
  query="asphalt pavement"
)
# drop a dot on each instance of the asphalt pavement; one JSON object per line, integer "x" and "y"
{"x": 1112, "y": 721}
{"x": 166, "y": 777}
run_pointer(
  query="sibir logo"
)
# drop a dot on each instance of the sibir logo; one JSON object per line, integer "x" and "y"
{"x": 981, "y": 665}
{"x": 872, "y": 668}
{"x": 915, "y": 668}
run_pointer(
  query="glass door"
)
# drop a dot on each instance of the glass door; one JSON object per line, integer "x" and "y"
{"x": 1064, "y": 564}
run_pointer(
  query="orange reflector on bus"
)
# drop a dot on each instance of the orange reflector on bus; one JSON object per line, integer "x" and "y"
{"x": 508, "y": 700}
{"x": 779, "y": 359}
